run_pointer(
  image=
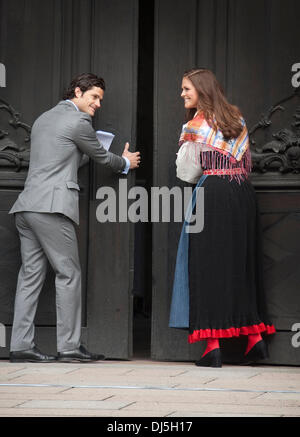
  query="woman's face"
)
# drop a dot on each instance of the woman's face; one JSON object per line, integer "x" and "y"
{"x": 189, "y": 94}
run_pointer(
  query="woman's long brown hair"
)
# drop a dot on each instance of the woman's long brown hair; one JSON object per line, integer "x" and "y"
{"x": 218, "y": 112}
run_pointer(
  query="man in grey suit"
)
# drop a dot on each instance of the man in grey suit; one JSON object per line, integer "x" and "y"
{"x": 45, "y": 211}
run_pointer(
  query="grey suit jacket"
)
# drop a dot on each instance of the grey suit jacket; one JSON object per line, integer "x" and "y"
{"x": 59, "y": 138}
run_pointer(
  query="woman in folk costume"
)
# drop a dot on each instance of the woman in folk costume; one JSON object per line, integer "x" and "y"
{"x": 218, "y": 287}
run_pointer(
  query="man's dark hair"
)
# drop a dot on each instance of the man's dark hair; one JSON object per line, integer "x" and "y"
{"x": 85, "y": 82}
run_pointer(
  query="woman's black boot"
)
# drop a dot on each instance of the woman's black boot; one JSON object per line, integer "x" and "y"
{"x": 211, "y": 359}
{"x": 258, "y": 352}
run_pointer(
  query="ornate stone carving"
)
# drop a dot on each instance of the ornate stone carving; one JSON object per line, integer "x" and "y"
{"x": 14, "y": 148}
{"x": 282, "y": 153}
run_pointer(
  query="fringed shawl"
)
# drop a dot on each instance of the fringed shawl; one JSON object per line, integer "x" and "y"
{"x": 216, "y": 154}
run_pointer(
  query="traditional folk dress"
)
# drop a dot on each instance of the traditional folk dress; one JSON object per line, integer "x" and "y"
{"x": 218, "y": 283}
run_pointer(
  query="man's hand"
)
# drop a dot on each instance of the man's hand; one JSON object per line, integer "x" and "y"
{"x": 134, "y": 158}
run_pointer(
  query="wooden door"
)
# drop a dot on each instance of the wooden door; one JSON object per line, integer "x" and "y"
{"x": 43, "y": 45}
{"x": 251, "y": 46}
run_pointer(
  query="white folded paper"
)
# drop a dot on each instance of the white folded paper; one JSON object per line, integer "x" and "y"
{"x": 104, "y": 138}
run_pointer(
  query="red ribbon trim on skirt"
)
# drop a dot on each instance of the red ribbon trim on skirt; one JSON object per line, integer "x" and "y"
{"x": 203, "y": 334}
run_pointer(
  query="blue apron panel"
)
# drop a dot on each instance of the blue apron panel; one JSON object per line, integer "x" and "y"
{"x": 180, "y": 304}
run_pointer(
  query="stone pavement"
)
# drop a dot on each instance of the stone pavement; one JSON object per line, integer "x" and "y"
{"x": 142, "y": 388}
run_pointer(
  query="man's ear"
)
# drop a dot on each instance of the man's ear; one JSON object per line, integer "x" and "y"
{"x": 78, "y": 92}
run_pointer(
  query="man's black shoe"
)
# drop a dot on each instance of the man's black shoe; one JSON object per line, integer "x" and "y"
{"x": 33, "y": 355}
{"x": 80, "y": 354}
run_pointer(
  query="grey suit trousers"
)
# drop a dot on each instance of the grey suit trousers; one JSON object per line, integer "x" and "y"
{"x": 47, "y": 236}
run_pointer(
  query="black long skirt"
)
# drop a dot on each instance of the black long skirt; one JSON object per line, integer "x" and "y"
{"x": 226, "y": 266}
